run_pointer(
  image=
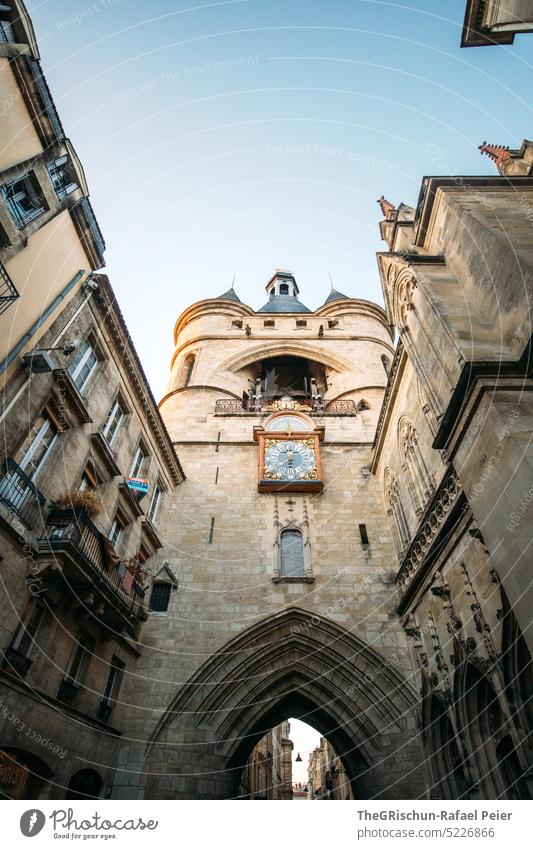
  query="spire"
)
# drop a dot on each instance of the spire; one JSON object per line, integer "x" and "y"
{"x": 498, "y": 153}
{"x": 387, "y": 207}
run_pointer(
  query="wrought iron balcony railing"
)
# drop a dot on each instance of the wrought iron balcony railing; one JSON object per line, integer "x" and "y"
{"x": 72, "y": 533}
{"x": 20, "y": 495}
{"x": 236, "y": 406}
{"x": 8, "y": 293}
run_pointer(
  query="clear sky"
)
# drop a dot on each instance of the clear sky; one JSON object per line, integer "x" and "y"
{"x": 305, "y": 739}
{"x": 235, "y": 137}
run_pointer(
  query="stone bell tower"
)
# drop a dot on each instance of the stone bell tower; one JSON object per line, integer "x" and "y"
{"x": 278, "y": 537}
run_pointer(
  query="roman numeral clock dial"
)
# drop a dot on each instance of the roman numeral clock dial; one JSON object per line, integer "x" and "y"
{"x": 289, "y": 454}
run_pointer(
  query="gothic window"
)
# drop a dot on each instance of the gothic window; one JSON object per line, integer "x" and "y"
{"x": 418, "y": 479}
{"x": 292, "y": 554}
{"x": 396, "y": 513}
{"x": 427, "y": 409}
{"x": 187, "y": 370}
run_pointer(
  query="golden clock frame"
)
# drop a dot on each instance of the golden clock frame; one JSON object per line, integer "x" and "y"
{"x": 312, "y": 434}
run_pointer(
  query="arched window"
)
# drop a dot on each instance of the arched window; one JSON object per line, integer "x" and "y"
{"x": 363, "y": 405}
{"x": 187, "y": 370}
{"x": 292, "y": 554}
{"x": 284, "y": 289}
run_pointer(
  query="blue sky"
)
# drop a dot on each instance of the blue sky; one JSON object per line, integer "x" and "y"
{"x": 236, "y": 137}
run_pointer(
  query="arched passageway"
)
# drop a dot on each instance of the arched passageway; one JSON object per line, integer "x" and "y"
{"x": 298, "y": 664}
{"x": 23, "y": 775}
{"x": 85, "y": 784}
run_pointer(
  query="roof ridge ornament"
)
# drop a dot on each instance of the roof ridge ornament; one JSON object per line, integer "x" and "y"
{"x": 496, "y": 152}
{"x": 387, "y": 207}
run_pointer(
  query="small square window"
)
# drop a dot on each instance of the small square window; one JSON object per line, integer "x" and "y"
{"x": 300, "y": 323}
{"x": 333, "y": 322}
{"x": 269, "y": 323}
{"x": 160, "y": 596}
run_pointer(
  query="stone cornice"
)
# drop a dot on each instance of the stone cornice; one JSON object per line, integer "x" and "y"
{"x": 391, "y": 390}
{"x": 111, "y": 316}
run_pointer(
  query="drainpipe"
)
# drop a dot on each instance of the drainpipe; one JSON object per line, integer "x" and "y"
{"x": 21, "y": 344}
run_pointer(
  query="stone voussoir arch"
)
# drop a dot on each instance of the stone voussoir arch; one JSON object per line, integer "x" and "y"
{"x": 280, "y": 349}
{"x": 293, "y": 663}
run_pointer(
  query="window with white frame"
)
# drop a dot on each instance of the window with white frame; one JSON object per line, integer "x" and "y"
{"x": 37, "y": 446}
{"x": 140, "y": 459}
{"x": 115, "y": 534}
{"x": 113, "y": 422}
{"x": 83, "y": 364}
{"x": 23, "y": 199}
{"x": 155, "y": 504}
{"x": 63, "y": 176}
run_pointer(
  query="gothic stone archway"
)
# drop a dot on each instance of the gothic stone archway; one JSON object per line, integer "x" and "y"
{"x": 294, "y": 663}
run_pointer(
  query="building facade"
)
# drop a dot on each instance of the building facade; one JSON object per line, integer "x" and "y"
{"x": 495, "y": 21}
{"x": 349, "y": 545}
{"x": 77, "y": 542}
{"x": 326, "y": 775}
{"x": 268, "y": 771}
{"x": 49, "y": 237}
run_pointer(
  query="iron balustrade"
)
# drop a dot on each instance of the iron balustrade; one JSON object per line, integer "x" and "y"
{"x": 20, "y": 495}
{"x": 236, "y": 406}
{"x": 8, "y": 292}
{"x": 70, "y": 528}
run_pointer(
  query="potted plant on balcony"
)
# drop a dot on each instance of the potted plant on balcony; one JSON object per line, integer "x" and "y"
{"x": 80, "y": 501}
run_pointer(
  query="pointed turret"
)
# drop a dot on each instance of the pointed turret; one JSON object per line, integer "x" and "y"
{"x": 230, "y": 295}
{"x": 498, "y": 153}
{"x": 335, "y": 295}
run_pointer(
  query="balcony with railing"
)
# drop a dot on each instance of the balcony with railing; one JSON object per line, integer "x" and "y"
{"x": 316, "y": 406}
{"x": 20, "y": 495}
{"x": 89, "y": 567}
{"x": 8, "y": 292}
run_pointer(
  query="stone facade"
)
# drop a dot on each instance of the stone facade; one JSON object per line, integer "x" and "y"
{"x": 495, "y": 21}
{"x": 76, "y": 585}
{"x": 326, "y": 775}
{"x": 380, "y": 594}
{"x": 268, "y": 771}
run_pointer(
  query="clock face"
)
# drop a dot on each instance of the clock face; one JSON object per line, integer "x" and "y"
{"x": 289, "y": 460}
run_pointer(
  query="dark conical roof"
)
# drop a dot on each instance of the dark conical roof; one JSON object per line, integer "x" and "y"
{"x": 230, "y": 295}
{"x": 284, "y": 303}
{"x": 335, "y": 295}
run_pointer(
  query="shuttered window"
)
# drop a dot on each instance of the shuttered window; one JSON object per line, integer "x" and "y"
{"x": 292, "y": 554}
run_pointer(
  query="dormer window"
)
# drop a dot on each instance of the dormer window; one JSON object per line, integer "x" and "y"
{"x": 284, "y": 289}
